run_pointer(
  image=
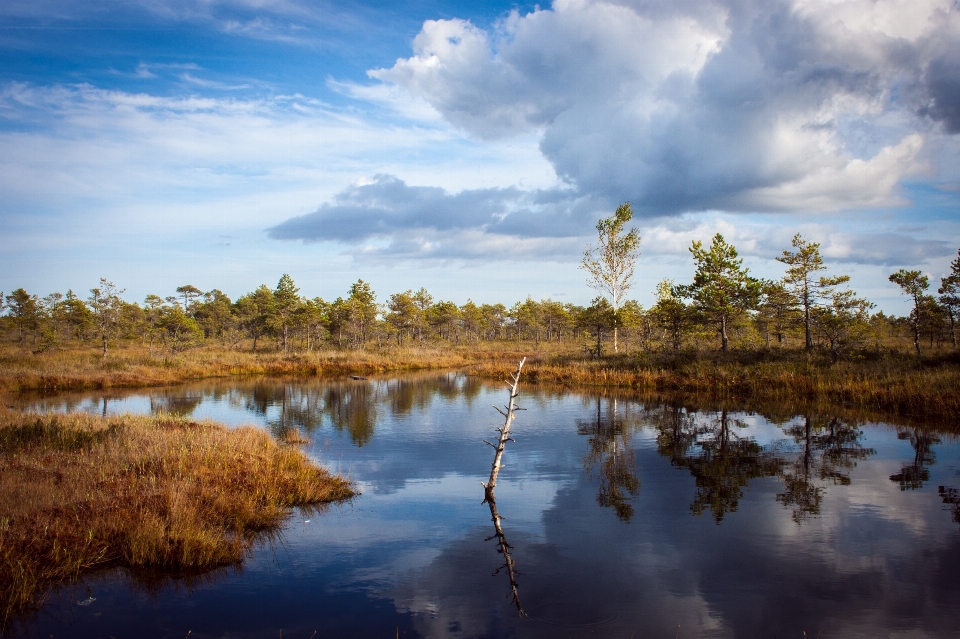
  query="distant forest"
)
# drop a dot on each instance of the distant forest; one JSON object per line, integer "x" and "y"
{"x": 803, "y": 309}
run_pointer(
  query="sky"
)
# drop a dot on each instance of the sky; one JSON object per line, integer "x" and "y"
{"x": 471, "y": 147}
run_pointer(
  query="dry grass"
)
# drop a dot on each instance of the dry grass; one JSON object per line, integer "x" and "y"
{"x": 892, "y": 382}
{"x": 78, "y": 491}
{"x": 884, "y": 380}
{"x": 293, "y": 436}
{"x": 83, "y": 368}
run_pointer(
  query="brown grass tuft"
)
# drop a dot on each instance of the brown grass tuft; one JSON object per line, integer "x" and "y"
{"x": 78, "y": 491}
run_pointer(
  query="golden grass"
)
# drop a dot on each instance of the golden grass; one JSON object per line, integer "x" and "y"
{"x": 83, "y": 368}
{"x": 78, "y": 491}
{"x": 883, "y": 380}
{"x": 896, "y": 383}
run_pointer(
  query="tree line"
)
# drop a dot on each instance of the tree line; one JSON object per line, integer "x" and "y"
{"x": 805, "y": 308}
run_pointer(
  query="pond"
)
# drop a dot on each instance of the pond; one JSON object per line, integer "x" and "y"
{"x": 618, "y": 517}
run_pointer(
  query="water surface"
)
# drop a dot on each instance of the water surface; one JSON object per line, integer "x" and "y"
{"x": 620, "y": 518}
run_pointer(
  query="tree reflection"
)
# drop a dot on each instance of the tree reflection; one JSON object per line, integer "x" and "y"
{"x": 828, "y": 449}
{"x": 353, "y": 407}
{"x": 610, "y": 453}
{"x": 721, "y": 462}
{"x": 951, "y": 497}
{"x": 724, "y": 465}
{"x": 181, "y": 404}
{"x": 348, "y": 405}
{"x": 504, "y": 549}
{"x": 288, "y": 407}
{"x": 912, "y": 475}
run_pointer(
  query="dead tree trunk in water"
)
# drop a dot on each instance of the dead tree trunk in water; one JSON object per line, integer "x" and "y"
{"x": 502, "y": 546}
{"x": 504, "y": 432}
{"x": 504, "y": 549}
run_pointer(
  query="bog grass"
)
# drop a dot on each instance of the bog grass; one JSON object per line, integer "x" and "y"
{"x": 84, "y": 368}
{"x": 888, "y": 382}
{"x": 882, "y": 379}
{"x": 79, "y": 491}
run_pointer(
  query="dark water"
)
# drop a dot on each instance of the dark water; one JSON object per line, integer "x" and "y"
{"x": 619, "y": 519}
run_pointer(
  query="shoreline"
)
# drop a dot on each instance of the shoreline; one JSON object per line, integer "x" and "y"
{"x": 885, "y": 381}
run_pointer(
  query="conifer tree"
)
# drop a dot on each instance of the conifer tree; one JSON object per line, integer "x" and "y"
{"x": 802, "y": 264}
{"x": 950, "y": 296}
{"x": 722, "y": 288}
{"x": 914, "y": 284}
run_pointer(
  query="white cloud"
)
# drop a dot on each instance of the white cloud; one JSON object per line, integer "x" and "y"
{"x": 691, "y": 106}
{"x": 543, "y": 64}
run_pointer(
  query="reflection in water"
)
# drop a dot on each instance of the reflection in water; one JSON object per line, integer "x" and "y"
{"x": 409, "y": 554}
{"x": 182, "y": 404}
{"x": 504, "y": 549}
{"x": 828, "y": 450}
{"x": 609, "y": 451}
{"x": 951, "y": 497}
{"x": 912, "y": 476}
{"x": 721, "y": 462}
{"x": 351, "y": 406}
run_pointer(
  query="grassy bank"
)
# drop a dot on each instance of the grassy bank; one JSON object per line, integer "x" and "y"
{"x": 893, "y": 382}
{"x": 887, "y": 380}
{"x": 84, "y": 368}
{"x": 79, "y": 491}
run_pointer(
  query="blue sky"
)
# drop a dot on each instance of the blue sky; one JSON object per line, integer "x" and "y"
{"x": 470, "y": 147}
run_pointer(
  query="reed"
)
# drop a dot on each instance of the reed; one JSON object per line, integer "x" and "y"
{"x": 79, "y": 491}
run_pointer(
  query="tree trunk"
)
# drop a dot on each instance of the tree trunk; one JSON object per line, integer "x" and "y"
{"x": 916, "y": 333}
{"x": 723, "y": 333}
{"x": 599, "y": 341}
{"x": 504, "y": 430}
{"x": 615, "y": 349}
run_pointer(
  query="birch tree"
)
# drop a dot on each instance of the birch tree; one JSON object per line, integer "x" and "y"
{"x": 610, "y": 264}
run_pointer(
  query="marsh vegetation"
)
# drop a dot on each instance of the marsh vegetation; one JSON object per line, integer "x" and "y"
{"x": 79, "y": 491}
{"x": 726, "y": 333}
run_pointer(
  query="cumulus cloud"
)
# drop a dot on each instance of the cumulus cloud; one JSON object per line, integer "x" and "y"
{"x": 738, "y": 105}
{"x": 385, "y": 218}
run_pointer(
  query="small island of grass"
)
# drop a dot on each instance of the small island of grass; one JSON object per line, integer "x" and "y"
{"x": 79, "y": 491}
